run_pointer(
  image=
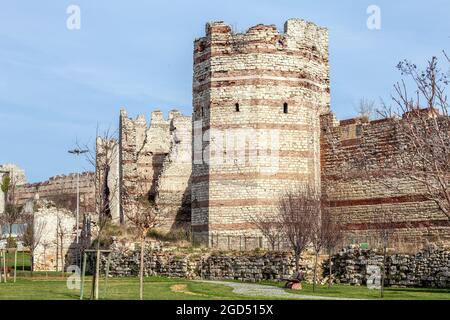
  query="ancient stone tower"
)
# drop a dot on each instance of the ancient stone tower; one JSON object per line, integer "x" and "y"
{"x": 257, "y": 99}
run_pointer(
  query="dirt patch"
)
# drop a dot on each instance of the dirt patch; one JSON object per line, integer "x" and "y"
{"x": 182, "y": 288}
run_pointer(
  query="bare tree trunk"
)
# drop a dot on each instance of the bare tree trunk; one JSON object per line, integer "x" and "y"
{"x": 45, "y": 264}
{"x": 62, "y": 257}
{"x": 297, "y": 262}
{"x": 316, "y": 257}
{"x": 383, "y": 272}
{"x": 92, "y": 296}
{"x": 57, "y": 250}
{"x": 329, "y": 269}
{"x": 31, "y": 262}
{"x": 141, "y": 270}
{"x": 97, "y": 272}
{"x": 95, "y": 278}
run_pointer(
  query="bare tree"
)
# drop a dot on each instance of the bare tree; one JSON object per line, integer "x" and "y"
{"x": 332, "y": 235}
{"x": 45, "y": 246}
{"x": 326, "y": 234}
{"x": 423, "y": 151}
{"x": 102, "y": 156}
{"x": 384, "y": 228}
{"x": 366, "y": 108}
{"x": 298, "y": 211}
{"x": 412, "y": 157}
{"x": 318, "y": 242}
{"x": 32, "y": 231}
{"x": 61, "y": 232}
{"x": 143, "y": 214}
{"x": 270, "y": 228}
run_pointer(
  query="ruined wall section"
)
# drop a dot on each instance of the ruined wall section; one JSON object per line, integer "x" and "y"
{"x": 174, "y": 182}
{"x": 62, "y": 190}
{"x": 56, "y": 229}
{"x": 156, "y": 158}
{"x": 142, "y": 150}
{"x": 242, "y": 81}
{"x": 107, "y": 178}
{"x": 358, "y": 201}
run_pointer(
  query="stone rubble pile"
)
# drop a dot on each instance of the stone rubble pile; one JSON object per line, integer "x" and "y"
{"x": 429, "y": 268}
{"x": 244, "y": 266}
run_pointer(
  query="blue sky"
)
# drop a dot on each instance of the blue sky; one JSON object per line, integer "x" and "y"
{"x": 57, "y": 85}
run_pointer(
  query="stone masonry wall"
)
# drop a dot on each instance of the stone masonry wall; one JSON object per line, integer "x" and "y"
{"x": 107, "y": 178}
{"x": 174, "y": 183}
{"x": 157, "y": 158}
{"x": 267, "y": 89}
{"x": 213, "y": 265}
{"x": 429, "y": 268}
{"x": 62, "y": 190}
{"x": 358, "y": 201}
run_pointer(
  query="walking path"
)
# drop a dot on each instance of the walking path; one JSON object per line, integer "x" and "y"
{"x": 259, "y": 290}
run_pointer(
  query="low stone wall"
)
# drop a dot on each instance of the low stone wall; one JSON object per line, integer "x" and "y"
{"x": 248, "y": 266}
{"x": 430, "y": 268}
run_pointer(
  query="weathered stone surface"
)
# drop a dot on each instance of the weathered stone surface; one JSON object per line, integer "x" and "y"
{"x": 254, "y": 84}
{"x": 170, "y": 262}
{"x": 357, "y": 199}
{"x": 158, "y": 156}
{"x": 428, "y": 268}
{"x": 62, "y": 190}
{"x": 55, "y": 229}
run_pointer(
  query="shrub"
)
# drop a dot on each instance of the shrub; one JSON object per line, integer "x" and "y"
{"x": 174, "y": 235}
{"x": 11, "y": 243}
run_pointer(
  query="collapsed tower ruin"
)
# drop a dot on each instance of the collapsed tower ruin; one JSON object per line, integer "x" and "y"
{"x": 156, "y": 158}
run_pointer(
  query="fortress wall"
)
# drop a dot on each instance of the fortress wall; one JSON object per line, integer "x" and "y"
{"x": 142, "y": 150}
{"x": 62, "y": 190}
{"x": 174, "y": 182}
{"x": 358, "y": 201}
{"x": 107, "y": 177}
{"x": 156, "y": 158}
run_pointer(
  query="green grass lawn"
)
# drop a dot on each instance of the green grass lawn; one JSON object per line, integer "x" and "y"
{"x": 23, "y": 260}
{"x": 361, "y": 292}
{"x": 53, "y": 287}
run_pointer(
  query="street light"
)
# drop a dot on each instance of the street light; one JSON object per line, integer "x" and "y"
{"x": 78, "y": 152}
